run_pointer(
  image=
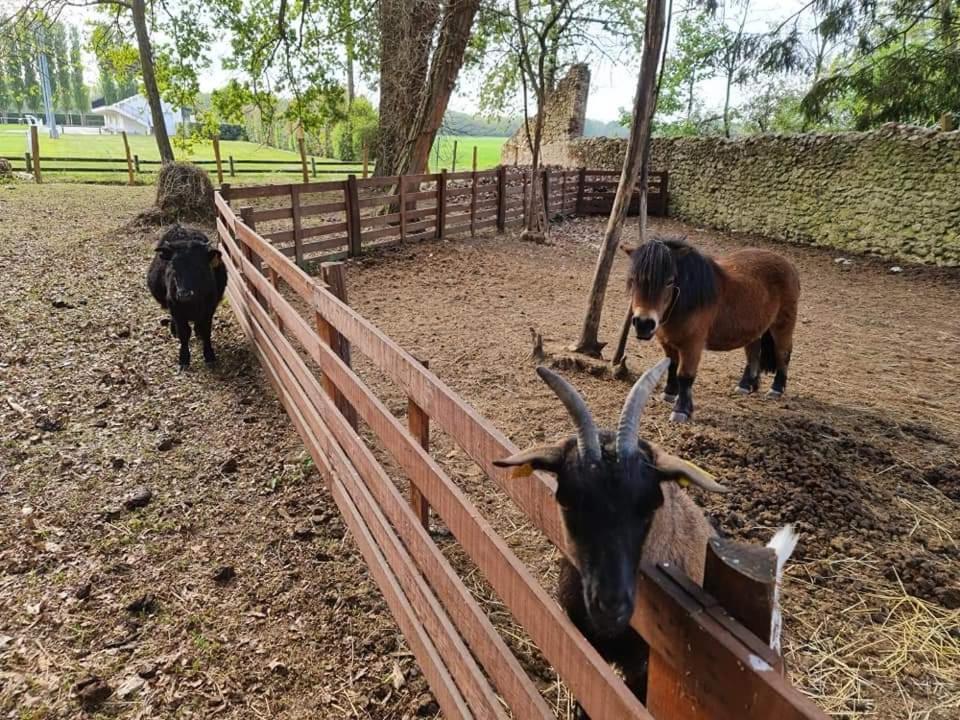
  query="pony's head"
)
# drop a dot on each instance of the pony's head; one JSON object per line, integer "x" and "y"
{"x": 668, "y": 278}
{"x": 608, "y": 489}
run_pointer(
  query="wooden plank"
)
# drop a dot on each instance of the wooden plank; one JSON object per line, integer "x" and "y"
{"x": 284, "y": 213}
{"x": 322, "y": 208}
{"x": 224, "y": 210}
{"x": 742, "y": 578}
{"x": 421, "y": 225}
{"x": 454, "y": 193}
{"x": 299, "y": 281}
{"x": 353, "y": 216}
{"x": 295, "y": 205}
{"x": 469, "y": 618}
{"x": 377, "y": 201}
{"x": 380, "y": 220}
{"x": 426, "y": 177}
{"x": 369, "y": 235}
{"x": 216, "y": 157}
{"x": 441, "y": 204}
{"x": 462, "y": 175}
{"x": 35, "y": 151}
{"x": 473, "y": 194}
{"x": 324, "y": 245}
{"x": 419, "y": 424}
{"x": 421, "y": 212}
{"x": 667, "y": 696}
{"x": 335, "y": 276}
{"x": 483, "y": 224}
{"x": 328, "y": 229}
{"x": 378, "y": 182}
{"x": 126, "y": 149}
{"x": 501, "y": 197}
{"x": 727, "y": 678}
{"x": 312, "y": 431}
{"x": 403, "y": 208}
{"x": 253, "y": 191}
{"x": 424, "y": 195}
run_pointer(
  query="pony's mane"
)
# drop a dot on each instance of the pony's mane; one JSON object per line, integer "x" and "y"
{"x": 660, "y": 261}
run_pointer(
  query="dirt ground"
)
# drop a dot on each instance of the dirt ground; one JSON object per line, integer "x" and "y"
{"x": 236, "y": 592}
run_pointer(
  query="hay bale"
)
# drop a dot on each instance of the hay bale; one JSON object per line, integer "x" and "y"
{"x": 6, "y": 169}
{"x": 184, "y": 193}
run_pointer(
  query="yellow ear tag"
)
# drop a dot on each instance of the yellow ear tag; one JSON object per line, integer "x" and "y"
{"x": 522, "y": 471}
{"x": 682, "y": 481}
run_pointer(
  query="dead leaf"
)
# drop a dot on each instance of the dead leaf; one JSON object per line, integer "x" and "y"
{"x": 396, "y": 677}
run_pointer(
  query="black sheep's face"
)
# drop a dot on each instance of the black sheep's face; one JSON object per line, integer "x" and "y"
{"x": 608, "y": 490}
{"x": 188, "y": 275}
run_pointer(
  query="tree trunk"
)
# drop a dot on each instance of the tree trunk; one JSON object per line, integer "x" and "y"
{"x": 637, "y": 154}
{"x": 726, "y": 105}
{"x": 349, "y": 47}
{"x": 138, "y": 9}
{"x": 444, "y": 69}
{"x": 406, "y": 35}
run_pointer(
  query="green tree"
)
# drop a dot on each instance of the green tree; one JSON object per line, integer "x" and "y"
{"x": 79, "y": 93}
{"x": 59, "y": 58}
{"x": 14, "y": 75}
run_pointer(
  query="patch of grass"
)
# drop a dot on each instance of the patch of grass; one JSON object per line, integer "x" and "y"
{"x": 488, "y": 152}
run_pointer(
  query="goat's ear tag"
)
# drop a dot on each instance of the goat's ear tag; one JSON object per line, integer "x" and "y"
{"x": 522, "y": 471}
{"x": 682, "y": 481}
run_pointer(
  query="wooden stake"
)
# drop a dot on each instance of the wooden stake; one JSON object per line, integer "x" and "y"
{"x": 419, "y": 423}
{"x": 453, "y": 164}
{"x": 35, "y": 149}
{"x": 402, "y": 182}
{"x": 366, "y": 160}
{"x": 233, "y": 172}
{"x": 216, "y": 155}
{"x": 126, "y": 149}
{"x": 474, "y": 158}
{"x": 301, "y": 144}
{"x": 334, "y": 276}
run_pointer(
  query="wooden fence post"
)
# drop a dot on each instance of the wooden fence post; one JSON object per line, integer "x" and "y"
{"x": 742, "y": 578}
{"x": 946, "y": 122}
{"x": 302, "y": 146}
{"x": 366, "y": 160}
{"x": 275, "y": 281}
{"x": 35, "y": 152}
{"x": 233, "y": 172}
{"x": 546, "y": 193}
{"x": 334, "y": 276}
{"x": 126, "y": 150}
{"x": 313, "y": 166}
{"x": 442, "y": 204}
{"x": 353, "y": 217}
{"x": 297, "y": 228}
{"x": 136, "y": 163}
{"x": 453, "y": 163}
{"x": 501, "y": 198}
{"x": 581, "y": 187}
{"x": 225, "y": 191}
{"x": 216, "y": 156}
{"x": 28, "y": 162}
{"x": 473, "y": 196}
{"x": 246, "y": 215}
{"x": 402, "y": 183}
{"x": 419, "y": 424}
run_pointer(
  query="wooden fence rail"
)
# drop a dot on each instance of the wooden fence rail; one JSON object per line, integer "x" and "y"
{"x": 703, "y": 663}
{"x": 338, "y": 218}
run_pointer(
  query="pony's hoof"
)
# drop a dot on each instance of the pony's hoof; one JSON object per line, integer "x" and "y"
{"x": 774, "y": 394}
{"x": 668, "y": 398}
{"x": 679, "y": 417}
{"x": 741, "y": 390}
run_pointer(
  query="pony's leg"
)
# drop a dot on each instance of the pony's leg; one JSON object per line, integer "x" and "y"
{"x": 750, "y": 382}
{"x": 782, "y": 333}
{"x": 686, "y": 374}
{"x": 672, "y": 388}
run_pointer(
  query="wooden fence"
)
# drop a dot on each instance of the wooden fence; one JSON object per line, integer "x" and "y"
{"x": 335, "y": 219}
{"x": 703, "y": 663}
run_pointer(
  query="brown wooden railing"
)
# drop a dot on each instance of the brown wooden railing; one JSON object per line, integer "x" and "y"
{"x": 336, "y": 219}
{"x": 703, "y": 663}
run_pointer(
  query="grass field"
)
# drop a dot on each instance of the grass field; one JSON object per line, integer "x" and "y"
{"x": 488, "y": 152}
{"x": 14, "y": 143}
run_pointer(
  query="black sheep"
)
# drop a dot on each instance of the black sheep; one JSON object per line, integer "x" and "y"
{"x": 187, "y": 277}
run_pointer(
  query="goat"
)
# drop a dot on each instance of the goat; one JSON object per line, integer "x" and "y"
{"x": 622, "y": 503}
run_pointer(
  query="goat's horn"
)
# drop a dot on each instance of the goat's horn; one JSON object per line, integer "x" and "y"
{"x": 588, "y": 440}
{"x": 633, "y": 408}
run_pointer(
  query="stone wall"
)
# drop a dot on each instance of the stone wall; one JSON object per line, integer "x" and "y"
{"x": 566, "y": 114}
{"x": 893, "y": 192}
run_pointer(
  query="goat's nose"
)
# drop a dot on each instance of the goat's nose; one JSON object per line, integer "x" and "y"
{"x": 644, "y": 326}
{"x": 185, "y": 294}
{"x": 615, "y": 606}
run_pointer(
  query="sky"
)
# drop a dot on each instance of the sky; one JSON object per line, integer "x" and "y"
{"x": 611, "y": 87}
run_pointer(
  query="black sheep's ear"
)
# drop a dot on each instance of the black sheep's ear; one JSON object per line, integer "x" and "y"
{"x": 544, "y": 457}
{"x": 165, "y": 252}
{"x": 214, "y": 256}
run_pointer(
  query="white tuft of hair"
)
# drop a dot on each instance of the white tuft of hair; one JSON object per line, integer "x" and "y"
{"x": 784, "y": 542}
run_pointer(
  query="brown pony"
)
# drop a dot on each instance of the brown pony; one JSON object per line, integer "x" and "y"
{"x": 692, "y": 301}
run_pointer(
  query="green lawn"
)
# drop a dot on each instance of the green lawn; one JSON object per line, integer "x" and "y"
{"x": 14, "y": 143}
{"x": 488, "y": 152}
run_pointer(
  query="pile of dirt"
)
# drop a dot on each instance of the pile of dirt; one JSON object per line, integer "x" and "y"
{"x": 184, "y": 194}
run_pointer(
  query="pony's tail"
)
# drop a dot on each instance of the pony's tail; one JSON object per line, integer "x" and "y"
{"x": 768, "y": 353}
{"x": 784, "y": 542}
